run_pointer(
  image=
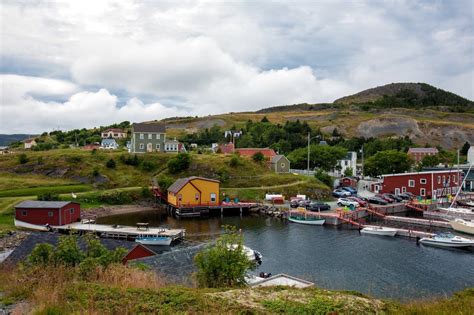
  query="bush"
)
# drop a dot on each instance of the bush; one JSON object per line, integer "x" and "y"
{"x": 42, "y": 254}
{"x": 234, "y": 161}
{"x": 95, "y": 172}
{"x": 324, "y": 178}
{"x": 129, "y": 160}
{"x": 146, "y": 192}
{"x": 48, "y": 196}
{"x": 164, "y": 182}
{"x": 223, "y": 264}
{"x": 179, "y": 163}
{"x": 258, "y": 157}
{"x": 148, "y": 166}
{"x": 23, "y": 159}
{"x": 110, "y": 163}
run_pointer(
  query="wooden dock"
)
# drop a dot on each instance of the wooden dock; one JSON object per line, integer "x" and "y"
{"x": 418, "y": 221}
{"x": 120, "y": 231}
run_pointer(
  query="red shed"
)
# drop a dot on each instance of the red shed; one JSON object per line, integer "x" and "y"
{"x": 48, "y": 212}
{"x": 139, "y": 251}
{"x": 430, "y": 184}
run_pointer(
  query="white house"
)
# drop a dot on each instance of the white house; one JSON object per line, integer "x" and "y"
{"x": 174, "y": 146}
{"x": 350, "y": 161}
{"x": 29, "y": 143}
{"x": 109, "y": 144}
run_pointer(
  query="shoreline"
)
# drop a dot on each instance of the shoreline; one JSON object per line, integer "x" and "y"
{"x": 107, "y": 211}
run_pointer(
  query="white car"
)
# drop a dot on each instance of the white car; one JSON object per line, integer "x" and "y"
{"x": 347, "y": 202}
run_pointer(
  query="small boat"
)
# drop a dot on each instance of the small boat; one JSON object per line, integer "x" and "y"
{"x": 454, "y": 210}
{"x": 464, "y": 226}
{"x": 379, "y": 230}
{"x": 153, "y": 240}
{"x": 302, "y": 218}
{"x": 252, "y": 255}
{"x": 447, "y": 240}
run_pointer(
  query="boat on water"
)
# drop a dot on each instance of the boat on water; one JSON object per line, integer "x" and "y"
{"x": 447, "y": 240}
{"x": 154, "y": 240}
{"x": 455, "y": 210}
{"x": 303, "y": 217}
{"x": 252, "y": 255}
{"x": 379, "y": 230}
{"x": 464, "y": 226}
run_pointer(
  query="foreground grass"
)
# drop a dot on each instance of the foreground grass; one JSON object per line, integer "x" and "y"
{"x": 126, "y": 290}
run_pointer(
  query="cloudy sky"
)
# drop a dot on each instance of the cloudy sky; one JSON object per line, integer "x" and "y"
{"x": 88, "y": 63}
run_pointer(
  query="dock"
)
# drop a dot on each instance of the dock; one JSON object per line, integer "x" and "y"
{"x": 418, "y": 221}
{"x": 120, "y": 231}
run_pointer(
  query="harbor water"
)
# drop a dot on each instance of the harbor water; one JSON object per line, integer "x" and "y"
{"x": 336, "y": 258}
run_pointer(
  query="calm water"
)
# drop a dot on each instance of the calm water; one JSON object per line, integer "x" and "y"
{"x": 338, "y": 258}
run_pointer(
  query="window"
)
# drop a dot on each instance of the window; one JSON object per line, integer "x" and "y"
{"x": 50, "y": 213}
{"x": 422, "y": 192}
{"x": 444, "y": 179}
{"x": 411, "y": 183}
{"x": 142, "y": 136}
{"x": 71, "y": 210}
{"x": 158, "y": 136}
{"x": 213, "y": 197}
{"x": 157, "y": 146}
{"x": 283, "y": 165}
{"x": 439, "y": 179}
{"x": 142, "y": 146}
{"x": 150, "y": 136}
{"x": 180, "y": 197}
{"x": 404, "y": 189}
{"x": 196, "y": 196}
{"x": 448, "y": 190}
{"x": 24, "y": 213}
{"x": 422, "y": 180}
{"x": 454, "y": 178}
{"x": 116, "y": 135}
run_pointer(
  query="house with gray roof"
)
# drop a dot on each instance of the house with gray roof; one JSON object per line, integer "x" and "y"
{"x": 109, "y": 144}
{"x": 280, "y": 164}
{"x": 148, "y": 137}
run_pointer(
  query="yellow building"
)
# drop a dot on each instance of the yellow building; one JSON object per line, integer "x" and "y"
{"x": 194, "y": 191}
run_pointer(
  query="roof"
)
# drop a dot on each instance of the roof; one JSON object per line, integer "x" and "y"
{"x": 149, "y": 127}
{"x": 36, "y": 204}
{"x": 423, "y": 150}
{"x": 227, "y": 148}
{"x": 267, "y": 152}
{"x": 276, "y": 158}
{"x": 181, "y": 182}
{"x": 114, "y": 130}
{"x": 108, "y": 142}
{"x": 22, "y": 251}
{"x": 283, "y": 279}
{"x": 420, "y": 173}
{"x": 29, "y": 140}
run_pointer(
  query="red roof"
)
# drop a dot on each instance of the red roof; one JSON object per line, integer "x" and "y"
{"x": 114, "y": 130}
{"x": 267, "y": 152}
{"x": 423, "y": 150}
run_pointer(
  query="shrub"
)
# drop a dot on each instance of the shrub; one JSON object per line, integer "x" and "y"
{"x": 179, "y": 163}
{"x": 48, "y": 196}
{"x": 148, "y": 166}
{"x": 164, "y": 182}
{"x": 129, "y": 160}
{"x": 223, "y": 264}
{"x": 95, "y": 172}
{"x": 324, "y": 178}
{"x": 42, "y": 254}
{"x": 110, "y": 163}
{"x": 258, "y": 157}
{"x": 146, "y": 192}
{"x": 23, "y": 159}
{"x": 234, "y": 161}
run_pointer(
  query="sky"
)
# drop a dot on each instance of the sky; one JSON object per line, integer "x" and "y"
{"x": 80, "y": 64}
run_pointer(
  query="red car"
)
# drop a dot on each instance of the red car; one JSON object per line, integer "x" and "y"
{"x": 387, "y": 199}
{"x": 361, "y": 202}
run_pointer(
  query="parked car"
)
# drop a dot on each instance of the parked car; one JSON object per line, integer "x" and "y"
{"x": 387, "y": 199}
{"x": 361, "y": 198}
{"x": 361, "y": 202}
{"x": 347, "y": 202}
{"x": 394, "y": 197}
{"x": 340, "y": 193}
{"x": 318, "y": 206}
{"x": 405, "y": 196}
{"x": 377, "y": 200}
{"x": 350, "y": 189}
{"x": 294, "y": 203}
{"x": 304, "y": 203}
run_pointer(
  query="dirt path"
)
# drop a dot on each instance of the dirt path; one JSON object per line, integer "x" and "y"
{"x": 268, "y": 187}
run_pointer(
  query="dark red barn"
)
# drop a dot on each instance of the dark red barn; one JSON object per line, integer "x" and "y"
{"x": 139, "y": 251}
{"x": 48, "y": 212}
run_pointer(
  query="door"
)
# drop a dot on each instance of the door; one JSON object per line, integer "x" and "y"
{"x": 397, "y": 191}
{"x": 149, "y": 147}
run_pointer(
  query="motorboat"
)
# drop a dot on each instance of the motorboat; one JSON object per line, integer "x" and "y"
{"x": 154, "y": 240}
{"x": 455, "y": 210}
{"x": 447, "y": 240}
{"x": 464, "y": 226}
{"x": 379, "y": 230}
{"x": 252, "y": 255}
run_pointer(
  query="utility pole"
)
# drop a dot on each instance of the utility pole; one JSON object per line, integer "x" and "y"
{"x": 309, "y": 139}
{"x": 362, "y": 171}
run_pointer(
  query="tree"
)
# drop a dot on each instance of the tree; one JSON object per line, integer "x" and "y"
{"x": 265, "y": 119}
{"x": 48, "y": 196}
{"x": 23, "y": 159}
{"x": 387, "y": 162}
{"x": 223, "y": 264}
{"x": 179, "y": 163}
{"x": 430, "y": 161}
{"x": 324, "y": 178}
{"x": 111, "y": 163}
{"x": 465, "y": 148}
{"x": 321, "y": 156}
{"x": 164, "y": 182}
{"x": 258, "y": 157}
{"x": 349, "y": 172}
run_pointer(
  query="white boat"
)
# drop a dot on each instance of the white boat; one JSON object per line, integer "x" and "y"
{"x": 379, "y": 230}
{"x": 455, "y": 210}
{"x": 252, "y": 255}
{"x": 153, "y": 240}
{"x": 447, "y": 240}
{"x": 464, "y": 226}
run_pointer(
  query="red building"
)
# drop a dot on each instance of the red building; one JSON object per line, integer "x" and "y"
{"x": 139, "y": 251}
{"x": 430, "y": 184}
{"x": 267, "y": 152}
{"x": 417, "y": 154}
{"x": 48, "y": 212}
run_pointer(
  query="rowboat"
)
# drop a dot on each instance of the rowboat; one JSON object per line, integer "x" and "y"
{"x": 464, "y": 226}
{"x": 301, "y": 217}
{"x": 447, "y": 240}
{"x": 379, "y": 230}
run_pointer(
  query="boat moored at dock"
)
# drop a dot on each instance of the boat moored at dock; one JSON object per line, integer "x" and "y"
{"x": 464, "y": 226}
{"x": 154, "y": 240}
{"x": 379, "y": 230}
{"x": 447, "y": 240}
{"x": 304, "y": 217}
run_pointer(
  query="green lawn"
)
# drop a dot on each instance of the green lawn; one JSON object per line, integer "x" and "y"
{"x": 34, "y": 191}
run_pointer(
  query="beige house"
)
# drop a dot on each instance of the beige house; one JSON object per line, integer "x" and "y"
{"x": 114, "y": 133}
{"x": 29, "y": 143}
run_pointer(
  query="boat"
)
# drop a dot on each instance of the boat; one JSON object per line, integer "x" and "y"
{"x": 456, "y": 210}
{"x": 447, "y": 240}
{"x": 464, "y": 226}
{"x": 154, "y": 240}
{"x": 379, "y": 230}
{"x": 302, "y": 218}
{"x": 252, "y": 255}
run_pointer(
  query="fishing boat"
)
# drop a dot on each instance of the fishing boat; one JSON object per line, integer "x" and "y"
{"x": 447, "y": 240}
{"x": 379, "y": 230}
{"x": 153, "y": 240}
{"x": 464, "y": 226}
{"x": 303, "y": 217}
